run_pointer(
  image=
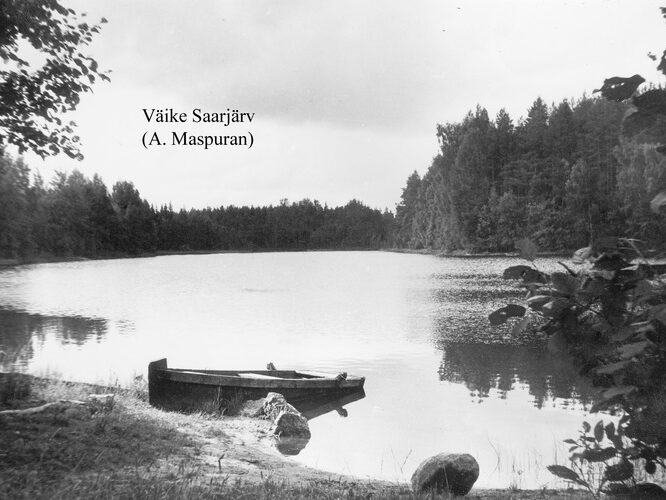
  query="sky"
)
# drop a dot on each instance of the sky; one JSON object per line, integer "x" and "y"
{"x": 346, "y": 95}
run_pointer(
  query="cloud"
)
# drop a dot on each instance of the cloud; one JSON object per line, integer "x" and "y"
{"x": 350, "y": 63}
{"x": 346, "y": 93}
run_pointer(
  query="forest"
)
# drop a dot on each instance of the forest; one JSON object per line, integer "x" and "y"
{"x": 75, "y": 216}
{"x": 563, "y": 177}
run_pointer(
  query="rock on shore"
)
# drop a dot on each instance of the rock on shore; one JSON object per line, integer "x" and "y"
{"x": 452, "y": 472}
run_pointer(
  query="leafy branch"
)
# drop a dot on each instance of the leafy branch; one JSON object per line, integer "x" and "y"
{"x": 33, "y": 100}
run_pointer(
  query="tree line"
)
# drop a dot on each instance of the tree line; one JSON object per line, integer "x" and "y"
{"x": 78, "y": 216}
{"x": 563, "y": 176}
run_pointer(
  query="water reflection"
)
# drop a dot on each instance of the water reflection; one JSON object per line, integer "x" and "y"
{"x": 491, "y": 361}
{"x": 314, "y": 408}
{"x": 19, "y": 330}
{"x": 291, "y": 446}
{"x": 498, "y": 369}
{"x": 311, "y": 409}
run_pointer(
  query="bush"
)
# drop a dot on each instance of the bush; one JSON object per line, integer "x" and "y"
{"x": 609, "y": 315}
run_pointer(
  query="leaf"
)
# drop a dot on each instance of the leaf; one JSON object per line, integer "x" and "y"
{"x": 607, "y": 275}
{"x": 528, "y": 250}
{"x": 594, "y": 288}
{"x": 570, "y": 441}
{"x": 564, "y": 283}
{"x": 619, "y": 88}
{"x": 610, "y": 262}
{"x": 555, "y": 307}
{"x": 581, "y": 255}
{"x": 565, "y": 473}
{"x": 536, "y": 302}
{"x": 658, "y": 202}
{"x": 586, "y": 426}
{"x": 599, "y": 431}
{"x": 619, "y": 472}
{"x": 500, "y": 316}
{"x": 598, "y": 455}
{"x": 610, "y": 431}
{"x": 526, "y": 273}
{"x": 617, "y": 441}
{"x": 515, "y": 272}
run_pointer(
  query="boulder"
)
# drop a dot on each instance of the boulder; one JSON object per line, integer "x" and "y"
{"x": 288, "y": 421}
{"x": 293, "y": 425}
{"x": 454, "y": 473}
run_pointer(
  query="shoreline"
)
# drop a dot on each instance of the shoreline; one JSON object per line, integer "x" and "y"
{"x": 50, "y": 259}
{"x": 486, "y": 255}
{"x": 133, "y": 447}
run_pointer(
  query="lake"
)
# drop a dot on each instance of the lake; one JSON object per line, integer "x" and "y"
{"x": 438, "y": 376}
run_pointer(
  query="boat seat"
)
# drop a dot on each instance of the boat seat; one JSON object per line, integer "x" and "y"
{"x": 257, "y": 375}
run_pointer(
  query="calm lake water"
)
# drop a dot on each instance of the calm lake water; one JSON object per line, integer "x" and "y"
{"x": 438, "y": 376}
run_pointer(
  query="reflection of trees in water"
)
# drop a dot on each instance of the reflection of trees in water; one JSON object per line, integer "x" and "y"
{"x": 490, "y": 358}
{"x": 18, "y": 329}
{"x": 483, "y": 368}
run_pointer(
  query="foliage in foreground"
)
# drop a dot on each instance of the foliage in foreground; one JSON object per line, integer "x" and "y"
{"x": 609, "y": 315}
{"x": 33, "y": 99}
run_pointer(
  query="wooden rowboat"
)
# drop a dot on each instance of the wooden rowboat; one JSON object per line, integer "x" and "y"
{"x": 187, "y": 389}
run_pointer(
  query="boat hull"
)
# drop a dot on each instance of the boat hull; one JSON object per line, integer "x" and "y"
{"x": 209, "y": 390}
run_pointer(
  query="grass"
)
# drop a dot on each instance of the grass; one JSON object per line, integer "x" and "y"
{"x": 135, "y": 451}
{"x": 45, "y": 453}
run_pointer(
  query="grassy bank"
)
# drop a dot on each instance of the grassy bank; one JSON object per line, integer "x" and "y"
{"x": 131, "y": 450}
